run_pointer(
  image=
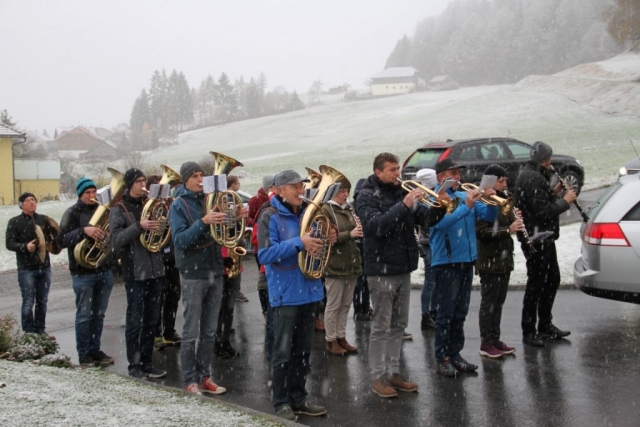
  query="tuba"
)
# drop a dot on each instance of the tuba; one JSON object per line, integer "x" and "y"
{"x": 91, "y": 253}
{"x": 229, "y": 233}
{"x": 426, "y": 198}
{"x": 157, "y": 209}
{"x": 314, "y": 179}
{"x": 317, "y": 225}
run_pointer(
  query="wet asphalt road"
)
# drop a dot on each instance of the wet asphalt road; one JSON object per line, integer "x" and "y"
{"x": 589, "y": 379}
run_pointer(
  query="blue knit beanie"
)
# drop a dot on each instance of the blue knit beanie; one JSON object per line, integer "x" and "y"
{"x": 83, "y": 184}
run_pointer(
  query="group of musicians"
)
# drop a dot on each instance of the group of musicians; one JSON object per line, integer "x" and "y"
{"x": 459, "y": 231}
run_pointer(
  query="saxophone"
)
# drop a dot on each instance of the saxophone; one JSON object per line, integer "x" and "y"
{"x": 91, "y": 253}
{"x": 157, "y": 209}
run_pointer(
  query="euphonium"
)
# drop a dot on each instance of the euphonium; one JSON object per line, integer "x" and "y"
{"x": 91, "y": 253}
{"x": 157, "y": 209}
{"x": 229, "y": 233}
{"x": 314, "y": 179}
{"x": 317, "y": 225}
{"x": 427, "y": 194}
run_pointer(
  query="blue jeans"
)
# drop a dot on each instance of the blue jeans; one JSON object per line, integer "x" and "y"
{"x": 201, "y": 304}
{"x": 453, "y": 296}
{"x": 143, "y": 311}
{"x": 293, "y": 340}
{"x": 92, "y": 298}
{"x": 34, "y": 287}
{"x": 428, "y": 289}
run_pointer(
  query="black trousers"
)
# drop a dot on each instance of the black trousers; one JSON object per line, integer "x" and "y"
{"x": 230, "y": 288}
{"x": 543, "y": 275}
{"x": 493, "y": 290}
{"x": 169, "y": 302}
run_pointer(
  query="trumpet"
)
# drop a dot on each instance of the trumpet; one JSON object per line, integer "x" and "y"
{"x": 427, "y": 194}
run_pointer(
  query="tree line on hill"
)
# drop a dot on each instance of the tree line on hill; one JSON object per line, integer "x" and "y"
{"x": 481, "y": 42}
{"x": 171, "y": 105}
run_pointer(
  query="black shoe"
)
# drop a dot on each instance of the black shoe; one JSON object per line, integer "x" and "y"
{"x": 552, "y": 333}
{"x": 226, "y": 346}
{"x": 102, "y": 358}
{"x": 309, "y": 409}
{"x": 137, "y": 373}
{"x": 462, "y": 365}
{"x": 151, "y": 372}
{"x": 220, "y": 351}
{"x": 445, "y": 368}
{"x": 87, "y": 361}
{"x": 427, "y": 322}
{"x": 533, "y": 340}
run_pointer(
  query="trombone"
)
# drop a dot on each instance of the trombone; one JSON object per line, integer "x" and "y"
{"x": 426, "y": 198}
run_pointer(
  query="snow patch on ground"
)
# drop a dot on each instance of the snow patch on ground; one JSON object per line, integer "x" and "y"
{"x": 41, "y": 395}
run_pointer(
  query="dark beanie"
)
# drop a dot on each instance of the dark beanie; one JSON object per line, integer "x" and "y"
{"x": 131, "y": 175}
{"x": 24, "y": 196}
{"x": 540, "y": 152}
{"x": 189, "y": 168}
{"x": 496, "y": 170}
{"x": 83, "y": 184}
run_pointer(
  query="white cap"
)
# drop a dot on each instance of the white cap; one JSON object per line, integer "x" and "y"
{"x": 427, "y": 177}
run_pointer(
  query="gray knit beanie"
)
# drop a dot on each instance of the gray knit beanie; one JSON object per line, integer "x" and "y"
{"x": 189, "y": 168}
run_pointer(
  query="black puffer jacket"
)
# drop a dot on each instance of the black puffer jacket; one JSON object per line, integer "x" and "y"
{"x": 124, "y": 222}
{"x": 390, "y": 247}
{"x": 540, "y": 207}
{"x": 71, "y": 233}
{"x": 495, "y": 244}
{"x": 21, "y": 231}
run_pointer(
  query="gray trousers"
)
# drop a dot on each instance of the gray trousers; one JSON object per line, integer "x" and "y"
{"x": 390, "y": 299}
{"x": 201, "y": 303}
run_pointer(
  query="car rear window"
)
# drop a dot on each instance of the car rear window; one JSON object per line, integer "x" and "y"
{"x": 602, "y": 200}
{"x": 424, "y": 158}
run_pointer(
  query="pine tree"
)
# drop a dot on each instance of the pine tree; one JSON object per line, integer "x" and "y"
{"x": 7, "y": 120}
{"x": 295, "y": 103}
{"x": 227, "y": 100}
{"x": 158, "y": 102}
{"x": 623, "y": 21}
{"x": 252, "y": 99}
{"x": 55, "y": 134}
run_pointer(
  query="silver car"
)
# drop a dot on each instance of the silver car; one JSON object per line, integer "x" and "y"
{"x": 610, "y": 263}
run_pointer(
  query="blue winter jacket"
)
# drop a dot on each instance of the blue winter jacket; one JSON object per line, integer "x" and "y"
{"x": 279, "y": 244}
{"x": 453, "y": 239}
{"x": 197, "y": 255}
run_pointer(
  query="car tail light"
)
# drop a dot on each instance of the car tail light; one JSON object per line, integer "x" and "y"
{"x": 604, "y": 234}
{"x": 444, "y": 155}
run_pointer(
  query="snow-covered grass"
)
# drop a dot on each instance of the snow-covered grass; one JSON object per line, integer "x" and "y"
{"x": 41, "y": 395}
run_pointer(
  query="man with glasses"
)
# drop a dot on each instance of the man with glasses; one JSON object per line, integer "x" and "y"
{"x": 142, "y": 271}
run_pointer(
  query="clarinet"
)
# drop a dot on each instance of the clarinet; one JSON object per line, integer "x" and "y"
{"x": 567, "y": 187}
{"x": 353, "y": 214}
{"x": 524, "y": 231}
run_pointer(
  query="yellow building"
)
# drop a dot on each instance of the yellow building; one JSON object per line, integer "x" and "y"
{"x": 40, "y": 177}
{"x": 7, "y": 137}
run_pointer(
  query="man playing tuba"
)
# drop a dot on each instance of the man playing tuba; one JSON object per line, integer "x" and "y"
{"x": 34, "y": 267}
{"x": 143, "y": 273}
{"x": 92, "y": 286}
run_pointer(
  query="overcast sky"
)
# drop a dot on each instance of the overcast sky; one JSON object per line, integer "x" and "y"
{"x": 71, "y": 62}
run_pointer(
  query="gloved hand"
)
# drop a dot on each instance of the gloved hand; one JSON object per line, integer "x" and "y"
{"x": 227, "y": 262}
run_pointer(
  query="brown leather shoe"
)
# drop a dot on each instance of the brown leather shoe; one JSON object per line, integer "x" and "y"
{"x": 334, "y": 348}
{"x": 344, "y": 344}
{"x": 399, "y": 383}
{"x": 382, "y": 389}
{"x": 319, "y": 324}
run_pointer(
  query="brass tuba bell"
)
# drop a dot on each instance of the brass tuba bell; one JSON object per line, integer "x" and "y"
{"x": 230, "y": 232}
{"x": 91, "y": 253}
{"x": 157, "y": 209}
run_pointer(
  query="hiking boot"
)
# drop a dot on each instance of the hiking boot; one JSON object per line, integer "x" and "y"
{"x": 87, "y": 361}
{"x": 462, "y": 365}
{"x": 396, "y": 381}
{"x": 345, "y": 344}
{"x": 172, "y": 339}
{"x": 151, "y": 372}
{"x": 445, "y": 368}
{"x": 159, "y": 344}
{"x": 505, "y": 349}
{"x": 552, "y": 333}
{"x": 427, "y": 322}
{"x": 240, "y": 297}
{"x": 102, "y": 358}
{"x": 318, "y": 325}
{"x": 192, "y": 389}
{"x": 382, "y": 389}
{"x": 286, "y": 413}
{"x": 208, "y": 386}
{"x": 533, "y": 340}
{"x": 490, "y": 351}
{"x": 334, "y": 348}
{"x": 310, "y": 409}
{"x": 406, "y": 336}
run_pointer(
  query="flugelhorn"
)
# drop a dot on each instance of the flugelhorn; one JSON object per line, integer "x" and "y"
{"x": 229, "y": 233}
{"x": 506, "y": 205}
{"x": 429, "y": 197}
{"x": 157, "y": 209}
